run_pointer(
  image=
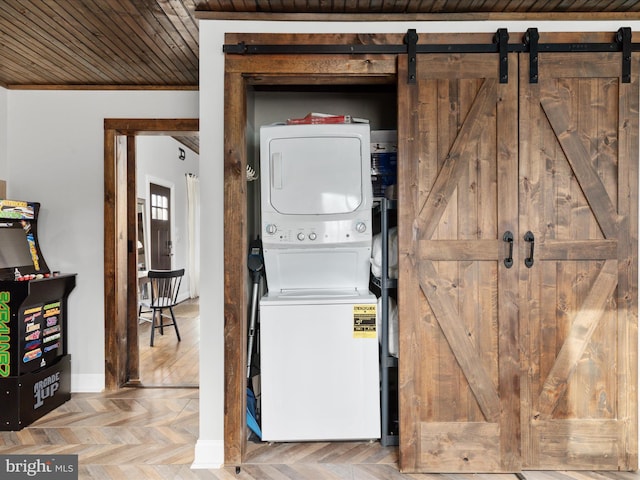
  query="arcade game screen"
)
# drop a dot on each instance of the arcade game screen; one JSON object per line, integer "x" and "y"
{"x": 20, "y": 257}
{"x": 15, "y": 248}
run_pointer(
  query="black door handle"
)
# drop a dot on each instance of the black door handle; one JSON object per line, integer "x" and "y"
{"x": 528, "y": 237}
{"x": 508, "y": 237}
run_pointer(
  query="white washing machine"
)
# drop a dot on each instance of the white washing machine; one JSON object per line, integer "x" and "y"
{"x": 318, "y": 340}
{"x": 319, "y": 367}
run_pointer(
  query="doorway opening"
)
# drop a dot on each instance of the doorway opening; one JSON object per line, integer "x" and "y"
{"x": 166, "y": 171}
{"x": 242, "y": 108}
{"x": 122, "y": 357}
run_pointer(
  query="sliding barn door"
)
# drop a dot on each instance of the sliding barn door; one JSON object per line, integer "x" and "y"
{"x": 458, "y": 217}
{"x": 578, "y": 289}
{"x": 518, "y": 225}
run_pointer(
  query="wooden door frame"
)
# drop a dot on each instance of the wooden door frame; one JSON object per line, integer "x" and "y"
{"x": 120, "y": 273}
{"x": 243, "y": 72}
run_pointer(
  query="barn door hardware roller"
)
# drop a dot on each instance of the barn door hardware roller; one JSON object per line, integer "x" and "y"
{"x": 623, "y": 37}
{"x": 502, "y": 39}
{"x": 411, "y": 40}
{"x": 531, "y": 41}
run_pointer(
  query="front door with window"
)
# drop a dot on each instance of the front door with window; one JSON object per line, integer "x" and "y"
{"x": 161, "y": 244}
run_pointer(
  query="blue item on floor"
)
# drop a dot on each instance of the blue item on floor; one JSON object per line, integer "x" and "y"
{"x": 251, "y": 414}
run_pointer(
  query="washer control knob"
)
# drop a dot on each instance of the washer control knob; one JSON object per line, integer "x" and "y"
{"x": 271, "y": 229}
{"x": 301, "y": 236}
{"x": 361, "y": 227}
{"x": 312, "y": 236}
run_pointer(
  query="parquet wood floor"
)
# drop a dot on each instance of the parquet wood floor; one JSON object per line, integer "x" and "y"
{"x": 169, "y": 362}
{"x": 150, "y": 433}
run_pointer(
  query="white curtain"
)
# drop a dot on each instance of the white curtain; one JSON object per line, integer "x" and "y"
{"x": 193, "y": 234}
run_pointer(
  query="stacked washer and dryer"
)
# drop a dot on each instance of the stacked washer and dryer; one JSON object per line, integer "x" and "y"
{"x": 318, "y": 342}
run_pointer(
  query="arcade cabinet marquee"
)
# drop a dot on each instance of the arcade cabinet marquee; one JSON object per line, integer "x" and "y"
{"x": 35, "y": 367}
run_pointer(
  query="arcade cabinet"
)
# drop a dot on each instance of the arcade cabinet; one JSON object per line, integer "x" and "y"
{"x": 35, "y": 368}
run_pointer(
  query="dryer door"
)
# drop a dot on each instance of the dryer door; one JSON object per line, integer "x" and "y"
{"x": 316, "y": 175}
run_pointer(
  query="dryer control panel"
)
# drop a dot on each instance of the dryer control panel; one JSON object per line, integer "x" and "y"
{"x": 338, "y": 232}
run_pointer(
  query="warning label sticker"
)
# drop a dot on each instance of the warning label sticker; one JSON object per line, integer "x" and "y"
{"x": 364, "y": 321}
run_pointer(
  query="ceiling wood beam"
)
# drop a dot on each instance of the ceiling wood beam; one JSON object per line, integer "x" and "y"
{"x": 416, "y": 17}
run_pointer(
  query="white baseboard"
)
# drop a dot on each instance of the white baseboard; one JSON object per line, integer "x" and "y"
{"x": 87, "y": 383}
{"x": 209, "y": 454}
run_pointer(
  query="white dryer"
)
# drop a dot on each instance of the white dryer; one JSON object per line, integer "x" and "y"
{"x": 316, "y": 206}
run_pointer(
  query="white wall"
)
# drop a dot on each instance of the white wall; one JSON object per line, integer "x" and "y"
{"x": 55, "y": 151}
{"x": 209, "y": 450}
{"x": 4, "y": 167}
{"x": 158, "y": 162}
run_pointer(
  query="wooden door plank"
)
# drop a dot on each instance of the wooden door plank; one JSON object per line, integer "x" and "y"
{"x": 578, "y": 158}
{"x": 456, "y": 160}
{"x": 477, "y": 439}
{"x": 579, "y": 250}
{"x": 472, "y": 309}
{"x": 507, "y": 348}
{"x": 441, "y": 66}
{"x": 627, "y": 295}
{"x": 584, "y": 444}
{"x": 451, "y": 397}
{"x": 465, "y": 352}
{"x": 583, "y": 326}
{"x": 580, "y": 64}
{"x": 529, "y": 194}
{"x": 461, "y": 250}
{"x": 409, "y": 144}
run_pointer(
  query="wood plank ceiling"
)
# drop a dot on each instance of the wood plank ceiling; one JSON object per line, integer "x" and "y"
{"x": 62, "y": 43}
{"x": 154, "y": 43}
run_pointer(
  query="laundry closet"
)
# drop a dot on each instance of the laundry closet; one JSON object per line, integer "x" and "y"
{"x": 316, "y": 335}
{"x": 517, "y": 214}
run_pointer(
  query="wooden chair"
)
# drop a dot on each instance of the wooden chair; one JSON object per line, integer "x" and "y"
{"x": 164, "y": 287}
